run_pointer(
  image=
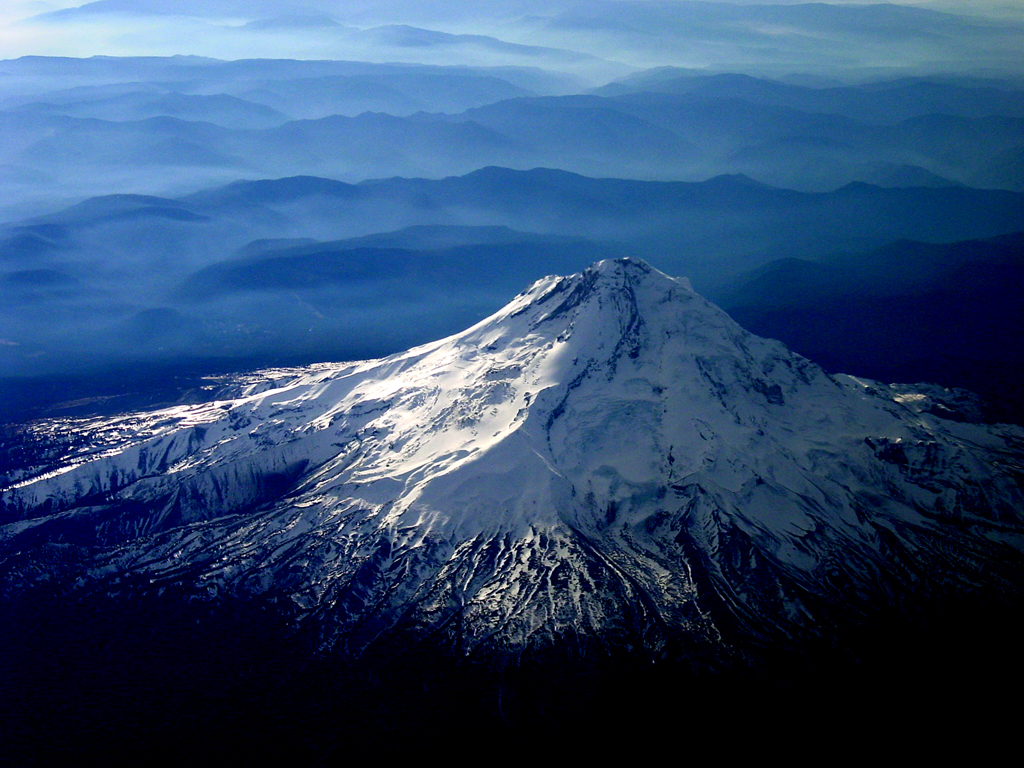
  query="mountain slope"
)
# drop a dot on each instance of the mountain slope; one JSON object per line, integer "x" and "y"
{"x": 910, "y": 311}
{"x": 609, "y": 458}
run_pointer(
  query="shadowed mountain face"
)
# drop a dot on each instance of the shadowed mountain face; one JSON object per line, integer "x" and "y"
{"x": 908, "y": 312}
{"x": 608, "y": 459}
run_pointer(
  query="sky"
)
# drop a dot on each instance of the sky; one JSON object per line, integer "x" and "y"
{"x": 22, "y": 32}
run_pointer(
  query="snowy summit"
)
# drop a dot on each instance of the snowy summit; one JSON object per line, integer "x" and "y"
{"x": 609, "y": 457}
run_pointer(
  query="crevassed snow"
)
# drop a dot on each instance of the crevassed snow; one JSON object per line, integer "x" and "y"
{"x": 574, "y": 450}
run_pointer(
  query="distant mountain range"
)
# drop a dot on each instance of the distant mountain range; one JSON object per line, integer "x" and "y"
{"x": 765, "y": 37}
{"x": 796, "y": 137}
{"x": 72, "y": 127}
{"x": 302, "y": 269}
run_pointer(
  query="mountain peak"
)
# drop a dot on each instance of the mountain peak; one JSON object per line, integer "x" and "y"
{"x": 610, "y": 456}
{"x": 623, "y": 286}
{"x": 632, "y": 275}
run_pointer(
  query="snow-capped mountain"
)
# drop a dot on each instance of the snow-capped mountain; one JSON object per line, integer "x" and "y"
{"x": 607, "y": 458}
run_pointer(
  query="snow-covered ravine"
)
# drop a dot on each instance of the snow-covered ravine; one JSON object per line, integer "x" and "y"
{"x": 608, "y": 456}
